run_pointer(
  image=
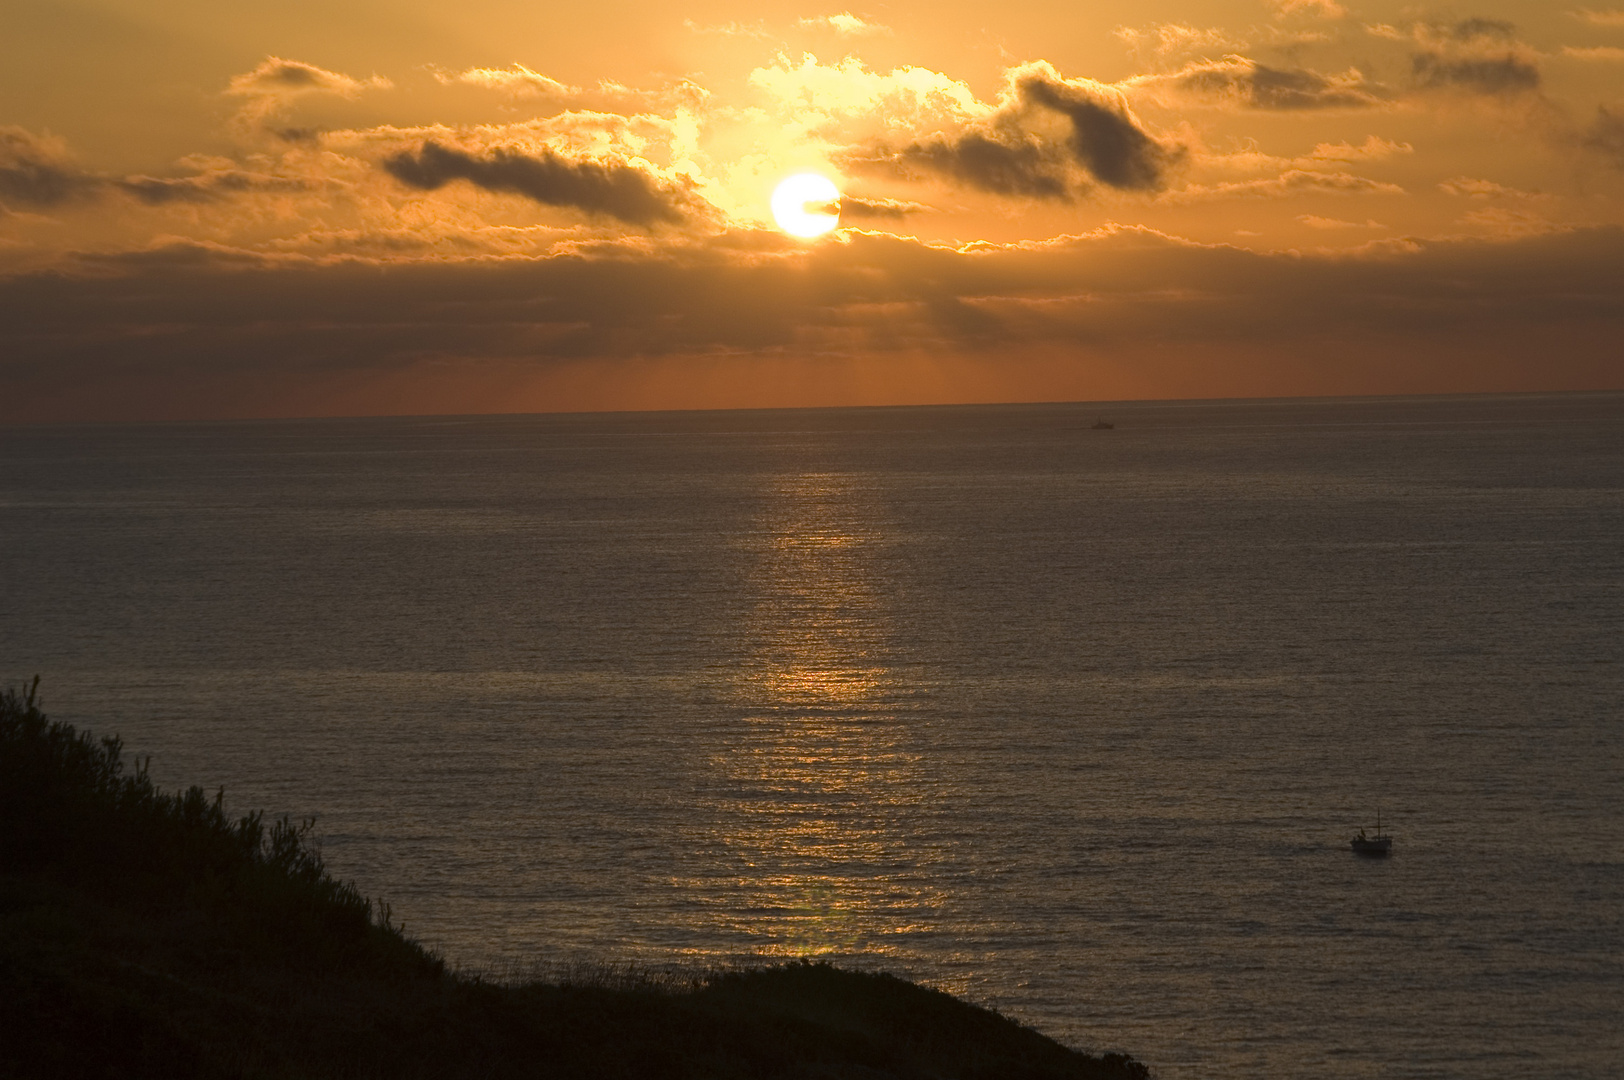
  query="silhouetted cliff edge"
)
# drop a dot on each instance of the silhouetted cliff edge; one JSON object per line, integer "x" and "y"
{"x": 145, "y": 934}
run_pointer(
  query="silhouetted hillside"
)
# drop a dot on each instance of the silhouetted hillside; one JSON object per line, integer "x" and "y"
{"x": 145, "y": 934}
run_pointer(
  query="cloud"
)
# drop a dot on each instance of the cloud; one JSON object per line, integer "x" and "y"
{"x": 1240, "y": 82}
{"x": 757, "y": 29}
{"x": 282, "y": 79}
{"x": 1313, "y": 221}
{"x": 520, "y": 82}
{"x": 1480, "y": 56}
{"x": 859, "y": 208}
{"x": 1610, "y": 17}
{"x": 1325, "y": 9}
{"x": 1507, "y": 221}
{"x": 1480, "y": 29}
{"x": 35, "y": 170}
{"x": 208, "y": 186}
{"x": 1019, "y": 165}
{"x": 1106, "y": 138}
{"x": 1167, "y": 39}
{"x": 1290, "y": 40}
{"x": 517, "y": 80}
{"x": 307, "y": 136}
{"x": 614, "y": 188}
{"x": 1507, "y": 74}
{"x": 1467, "y": 188}
{"x": 906, "y": 99}
{"x": 1605, "y": 135}
{"x": 1252, "y": 160}
{"x": 846, "y": 24}
{"x": 1372, "y": 149}
{"x": 1010, "y": 150}
{"x": 276, "y": 83}
{"x": 1289, "y": 184}
{"x": 38, "y": 172}
{"x": 1603, "y": 54}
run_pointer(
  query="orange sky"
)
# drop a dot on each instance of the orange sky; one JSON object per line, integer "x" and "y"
{"x": 354, "y": 208}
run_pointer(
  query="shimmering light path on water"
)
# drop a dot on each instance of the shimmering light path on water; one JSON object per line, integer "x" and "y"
{"x": 1074, "y": 722}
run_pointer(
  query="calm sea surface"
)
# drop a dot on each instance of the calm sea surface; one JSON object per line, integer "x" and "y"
{"x": 1076, "y": 723}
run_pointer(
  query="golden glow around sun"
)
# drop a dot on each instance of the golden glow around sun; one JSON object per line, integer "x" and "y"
{"x": 806, "y": 205}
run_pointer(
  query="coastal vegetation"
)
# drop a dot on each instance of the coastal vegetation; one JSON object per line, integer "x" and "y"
{"x": 146, "y": 933}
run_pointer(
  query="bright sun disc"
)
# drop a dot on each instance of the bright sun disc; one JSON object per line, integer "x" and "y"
{"x": 801, "y": 205}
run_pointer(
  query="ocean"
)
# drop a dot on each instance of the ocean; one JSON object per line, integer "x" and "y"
{"x": 1073, "y": 722}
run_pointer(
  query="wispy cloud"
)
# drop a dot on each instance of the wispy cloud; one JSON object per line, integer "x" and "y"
{"x": 1600, "y": 54}
{"x": 757, "y": 29}
{"x": 1372, "y": 149}
{"x": 861, "y": 208}
{"x": 1314, "y": 221}
{"x": 516, "y": 79}
{"x": 1604, "y": 17}
{"x": 1171, "y": 39}
{"x": 1325, "y": 9}
{"x": 1242, "y": 83}
{"x": 210, "y": 185}
{"x": 845, "y": 23}
{"x": 1510, "y": 221}
{"x": 1290, "y": 184}
{"x": 1468, "y": 188}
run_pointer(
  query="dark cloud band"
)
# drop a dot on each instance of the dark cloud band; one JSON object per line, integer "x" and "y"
{"x": 616, "y": 190}
{"x": 1005, "y": 155}
{"x": 1252, "y": 85}
{"x": 193, "y": 311}
{"x": 1507, "y": 74}
{"x": 1019, "y": 167}
{"x": 1480, "y": 56}
{"x": 35, "y": 172}
{"x": 1105, "y": 138}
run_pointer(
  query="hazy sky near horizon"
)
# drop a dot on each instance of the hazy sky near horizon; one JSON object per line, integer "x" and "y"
{"x": 351, "y": 207}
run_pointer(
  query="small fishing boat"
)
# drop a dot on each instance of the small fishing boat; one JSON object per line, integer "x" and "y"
{"x": 1373, "y": 847}
{"x": 1103, "y": 425}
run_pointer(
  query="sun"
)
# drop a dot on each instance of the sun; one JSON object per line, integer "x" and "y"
{"x": 806, "y": 205}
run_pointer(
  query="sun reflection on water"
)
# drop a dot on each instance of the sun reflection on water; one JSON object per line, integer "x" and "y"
{"x": 822, "y": 789}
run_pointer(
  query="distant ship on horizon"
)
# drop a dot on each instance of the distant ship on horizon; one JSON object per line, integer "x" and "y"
{"x": 1102, "y": 424}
